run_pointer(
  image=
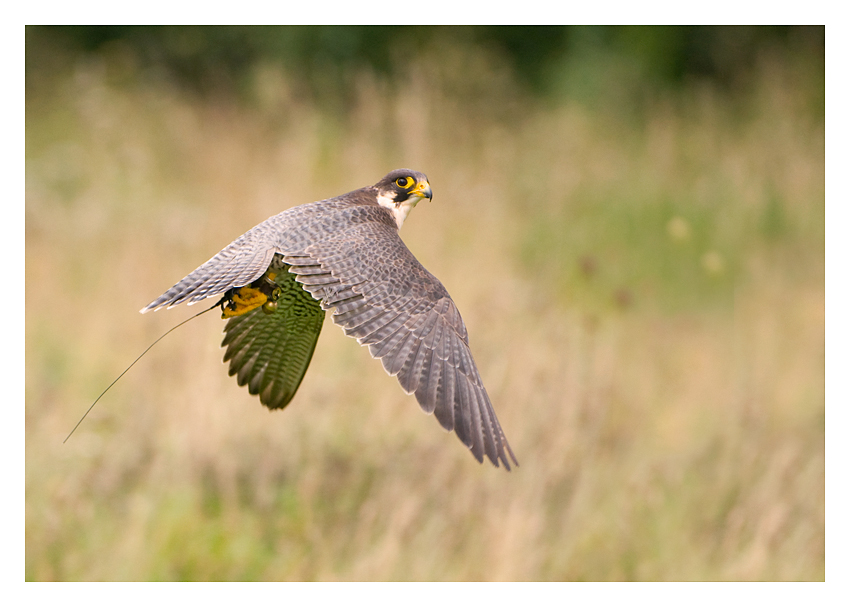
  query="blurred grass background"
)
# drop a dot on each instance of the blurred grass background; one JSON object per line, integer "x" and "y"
{"x": 631, "y": 221}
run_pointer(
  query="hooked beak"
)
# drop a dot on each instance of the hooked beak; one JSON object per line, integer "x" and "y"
{"x": 422, "y": 190}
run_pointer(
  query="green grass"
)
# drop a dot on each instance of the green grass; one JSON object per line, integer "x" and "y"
{"x": 644, "y": 296}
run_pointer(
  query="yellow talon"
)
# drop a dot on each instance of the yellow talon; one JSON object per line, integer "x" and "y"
{"x": 243, "y": 301}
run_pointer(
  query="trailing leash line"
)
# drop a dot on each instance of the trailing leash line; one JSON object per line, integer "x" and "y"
{"x": 137, "y": 360}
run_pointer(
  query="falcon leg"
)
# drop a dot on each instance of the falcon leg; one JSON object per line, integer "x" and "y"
{"x": 262, "y": 292}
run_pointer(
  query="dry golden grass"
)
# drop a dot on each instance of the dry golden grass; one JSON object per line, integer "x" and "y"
{"x": 645, "y": 301}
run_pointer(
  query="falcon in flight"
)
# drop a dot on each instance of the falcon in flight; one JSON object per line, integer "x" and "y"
{"x": 276, "y": 281}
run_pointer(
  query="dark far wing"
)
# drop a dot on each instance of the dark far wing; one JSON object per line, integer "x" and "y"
{"x": 270, "y": 351}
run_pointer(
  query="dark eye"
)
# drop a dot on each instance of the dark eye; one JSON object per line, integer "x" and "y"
{"x": 403, "y": 182}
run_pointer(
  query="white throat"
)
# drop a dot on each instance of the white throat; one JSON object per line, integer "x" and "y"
{"x": 399, "y": 211}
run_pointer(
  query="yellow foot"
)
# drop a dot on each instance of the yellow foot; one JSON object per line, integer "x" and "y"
{"x": 244, "y": 300}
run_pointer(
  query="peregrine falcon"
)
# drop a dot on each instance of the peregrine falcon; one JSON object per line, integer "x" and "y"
{"x": 276, "y": 281}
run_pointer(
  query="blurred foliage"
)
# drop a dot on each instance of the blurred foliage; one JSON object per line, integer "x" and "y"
{"x": 633, "y": 233}
{"x": 548, "y": 60}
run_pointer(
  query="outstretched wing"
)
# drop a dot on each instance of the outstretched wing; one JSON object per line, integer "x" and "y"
{"x": 239, "y": 263}
{"x": 269, "y": 351}
{"x": 388, "y": 301}
{"x": 383, "y": 297}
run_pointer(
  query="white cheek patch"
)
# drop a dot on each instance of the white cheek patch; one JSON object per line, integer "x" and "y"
{"x": 399, "y": 211}
{"x": 386, "y": 201}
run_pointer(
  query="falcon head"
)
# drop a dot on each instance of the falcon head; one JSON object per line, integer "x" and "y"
{"x": 400, "y": 190}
